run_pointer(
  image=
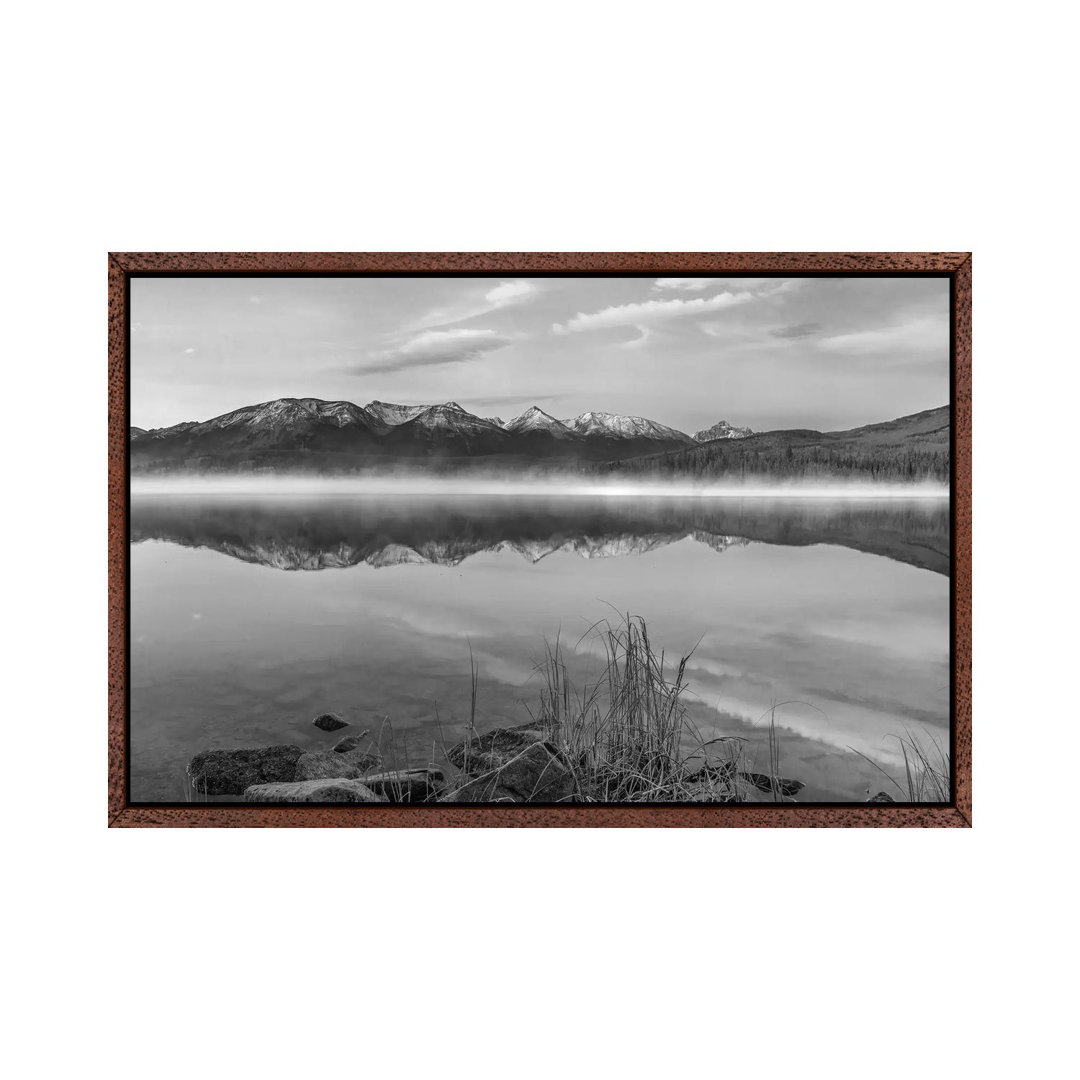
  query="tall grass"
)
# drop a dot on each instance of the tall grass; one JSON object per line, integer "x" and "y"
{"x": 927, "y": 769}
{"x": 628, "y": 737}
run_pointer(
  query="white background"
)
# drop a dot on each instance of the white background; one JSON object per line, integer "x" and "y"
{"x": 556, "y": 126}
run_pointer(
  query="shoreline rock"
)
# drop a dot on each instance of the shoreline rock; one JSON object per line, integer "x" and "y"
{"x": 329, "y": 765}
{"x": 335, "y": 790}
{"x": 231, "y": 772}
{"x": 511, "y": 765}
{"x": 407, "y": 786}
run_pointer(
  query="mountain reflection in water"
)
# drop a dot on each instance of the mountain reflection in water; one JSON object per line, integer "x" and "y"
{"x": 300, "y": 534}
{"x": 837, "y": 611}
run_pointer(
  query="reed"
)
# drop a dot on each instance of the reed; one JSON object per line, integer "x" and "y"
{"x": 927, "y": 769}
{"x": 628, "y": 736}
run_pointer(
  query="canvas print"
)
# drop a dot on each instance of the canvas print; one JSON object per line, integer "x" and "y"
{"x": 545, "y": 539}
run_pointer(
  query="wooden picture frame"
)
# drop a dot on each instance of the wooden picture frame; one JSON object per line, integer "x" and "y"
{"x": 123, "y": 265}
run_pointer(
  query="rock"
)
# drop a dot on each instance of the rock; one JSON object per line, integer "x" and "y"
{"x": 329, "y": 721}
{"x": 765, "y": 783}
{"x": 329, "y": 765}
{"x": 412, "y": 785}
{"x": 231, "y": 772}
{"x": 484, "y": 752}
{"x": 313, "y": 791}
{"x": 350, "y": 742}
{"x": 538, "y": 773}
{"x": 881, "y": 796}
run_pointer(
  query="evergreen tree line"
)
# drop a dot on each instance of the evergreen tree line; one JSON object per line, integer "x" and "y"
{"x": 729, "y": 458}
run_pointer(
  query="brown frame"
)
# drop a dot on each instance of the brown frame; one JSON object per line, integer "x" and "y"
{"x": 955, "y": 264}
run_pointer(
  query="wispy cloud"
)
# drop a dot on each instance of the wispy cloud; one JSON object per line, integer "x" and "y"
{"x": 650, "y": 311}
{"x": 512, "y": 399}
{"x": 797, "y": 330}
{"x": 683, "y": 284}
{"x": 737, "y": 284}
{"x": 918, "y": 335}
{"x": 510, "y": 292}
{"x": 436, "y": 347}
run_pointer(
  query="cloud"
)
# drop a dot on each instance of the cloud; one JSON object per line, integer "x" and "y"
{"x": 644, "y": 333}
{"x": 436, "y": 347}
{"x": 509, "y": 292}
{"x": 918, "y": 335}
{"x": 650, "y": 311}
{"x": 689, "y": 284}
{"x": 742, "y": 284}
{"x": 797, "y": 330}
{"x": 513, "y": 399}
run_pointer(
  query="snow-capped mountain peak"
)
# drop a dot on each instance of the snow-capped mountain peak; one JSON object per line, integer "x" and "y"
{"x": 721, "y": 430}
{"x": 613, "y": 426}
{"x": 535, "y": 419}
{"x": 393, "y": 415}
{"x": 284, "y": 412}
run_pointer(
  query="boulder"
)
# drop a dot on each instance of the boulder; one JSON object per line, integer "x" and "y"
{"x": 231, "y": 772}
{"x": 328, "y": 765}
{"x": 537, "y": 773}
{"x": 881, "y": 796}
{"x": 313, "y": 791}
{"x": 484, "y": 752}
{"x": 406, "y": 786}
{"x": 329, "y": 721}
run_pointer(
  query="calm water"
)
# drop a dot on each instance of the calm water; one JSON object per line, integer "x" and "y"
{"x": 250, "y": 616}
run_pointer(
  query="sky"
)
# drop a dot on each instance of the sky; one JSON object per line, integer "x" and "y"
{"x": 765, "y": 353}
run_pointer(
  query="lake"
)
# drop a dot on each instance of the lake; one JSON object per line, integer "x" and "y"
{"x": 251, "y": 615}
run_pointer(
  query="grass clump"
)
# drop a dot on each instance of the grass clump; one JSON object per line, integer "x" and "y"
{"x": 628, "y": 737}
{"x": 927, "y": 769}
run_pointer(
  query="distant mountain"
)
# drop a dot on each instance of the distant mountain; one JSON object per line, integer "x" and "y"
{"x": 608, "y": 425}
{"x": 915, "y": 447}
{"x": 312, "y": 435}
{"x": 535, "y": 419}
{"x": 721, "y": 430}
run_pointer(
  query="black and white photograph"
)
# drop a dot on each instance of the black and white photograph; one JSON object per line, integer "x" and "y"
{"x": 546, "y": 539}
{"x": 538, "y": 539}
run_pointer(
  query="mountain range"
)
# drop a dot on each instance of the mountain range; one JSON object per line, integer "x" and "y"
{"x": 312, "y": 434}
{"x": 909, "y": 448}
{"x": 309, "y": 435}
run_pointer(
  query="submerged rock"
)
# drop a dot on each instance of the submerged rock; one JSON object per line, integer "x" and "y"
{"x": 313, "y": 791}
{"x": 881, "y": 796}
{"x": 330, "y": 764}
{"x": 349, "y": 742}
{"x": 407, "y": 786}
{"x": 537, "y": 773}
{"x": 329, "y": 721}
{"x": 230, "y": 772}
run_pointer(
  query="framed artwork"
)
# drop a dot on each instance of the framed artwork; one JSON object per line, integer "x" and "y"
{"x": 540, "y": 539}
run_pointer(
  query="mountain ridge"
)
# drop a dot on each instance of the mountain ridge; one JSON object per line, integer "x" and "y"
{"x": 315, "y": 436}
{"x": 282, "y": 432}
